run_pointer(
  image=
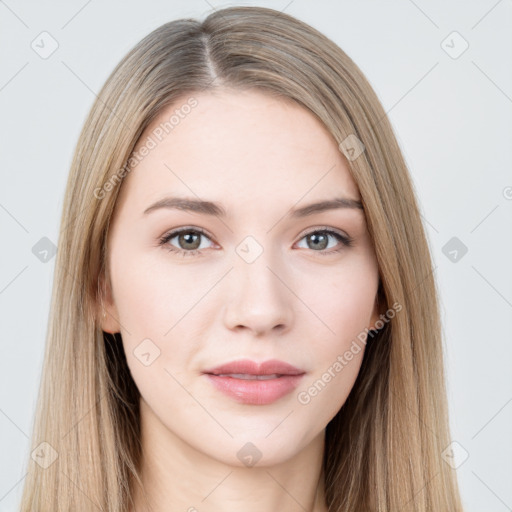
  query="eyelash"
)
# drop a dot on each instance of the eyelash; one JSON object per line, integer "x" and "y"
{"x": 345, "y": 240}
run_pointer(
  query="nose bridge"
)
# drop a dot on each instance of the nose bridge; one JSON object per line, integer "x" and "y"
{"x": 258, "y": 298}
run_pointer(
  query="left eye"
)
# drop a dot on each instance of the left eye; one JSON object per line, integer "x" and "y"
{"x": 320, "y": 239}
{"x": 189, "y": 241}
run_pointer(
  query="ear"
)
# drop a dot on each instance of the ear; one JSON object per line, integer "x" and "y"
{"x": 378, "y": 308}
{"x": 107, "y": 311}
{"x": 374, "y": 318}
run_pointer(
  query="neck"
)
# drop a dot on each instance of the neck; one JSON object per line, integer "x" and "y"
{"x": 175, "y": 476}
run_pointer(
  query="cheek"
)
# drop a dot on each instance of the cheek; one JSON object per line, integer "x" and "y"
{"x": 163, "y": 308}
{"x": 342, "y": 309}
{"x": 322, "y": 396}
{"x": 151, "y": 294}
{"x": 341, "y": 302}
{"x": 338, "y": 352}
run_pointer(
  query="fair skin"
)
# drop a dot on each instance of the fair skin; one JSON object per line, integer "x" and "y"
{"x": 298, "y": 301}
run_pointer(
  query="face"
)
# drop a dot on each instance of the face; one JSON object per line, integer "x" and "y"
{"x": 254, "y": 279}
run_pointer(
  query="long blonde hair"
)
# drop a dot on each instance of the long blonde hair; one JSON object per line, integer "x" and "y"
{"x": 383, "y": 448}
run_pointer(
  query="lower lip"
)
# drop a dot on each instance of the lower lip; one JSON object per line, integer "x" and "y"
{"x": 256, "y": 392}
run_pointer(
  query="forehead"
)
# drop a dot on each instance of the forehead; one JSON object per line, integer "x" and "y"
{"x": 242, "y": 145}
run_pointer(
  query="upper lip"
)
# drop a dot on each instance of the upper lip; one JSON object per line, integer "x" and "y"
{"x": 246, "y": 366}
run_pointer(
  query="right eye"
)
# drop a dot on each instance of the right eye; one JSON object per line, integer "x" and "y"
{"x": 185, "y": 236}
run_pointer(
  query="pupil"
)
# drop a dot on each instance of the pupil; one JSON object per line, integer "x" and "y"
{"x": 187, "y": 236}
{"x": 316, "y": 237}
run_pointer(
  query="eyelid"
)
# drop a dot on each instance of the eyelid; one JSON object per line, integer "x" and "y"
{"x": 323, "y": 228}
{"x": 168, "y": 235}
{"x": 307, "y": 231}
{"x": 344, "y": 238}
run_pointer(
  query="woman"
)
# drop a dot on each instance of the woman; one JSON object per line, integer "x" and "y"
{"x": 291, "y": 357}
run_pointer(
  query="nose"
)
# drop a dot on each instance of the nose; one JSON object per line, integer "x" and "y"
{"x": 260, "y": 299}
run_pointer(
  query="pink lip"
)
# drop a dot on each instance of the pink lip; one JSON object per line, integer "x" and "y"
{"x": 255, "y": 392}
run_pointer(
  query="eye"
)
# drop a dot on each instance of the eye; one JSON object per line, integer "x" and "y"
{"x": 318, "y": 240}
{"x": 188, "y": 238}
{"x": 189, "y": 241}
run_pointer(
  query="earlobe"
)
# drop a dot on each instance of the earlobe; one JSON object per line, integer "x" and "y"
{"x": 375, "y": 317}
{"x": 107, "y": 314}
{"x": 376, "y": 314}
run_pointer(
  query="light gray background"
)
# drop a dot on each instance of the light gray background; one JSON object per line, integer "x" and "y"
{"x": 452, "y": 119}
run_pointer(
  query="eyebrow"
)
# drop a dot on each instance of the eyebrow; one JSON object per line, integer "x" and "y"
{"x": 212, "y": 208}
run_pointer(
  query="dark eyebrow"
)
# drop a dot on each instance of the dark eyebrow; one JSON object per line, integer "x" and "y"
{"x": 211, "y": 208}
{"x": 331, "y": 204}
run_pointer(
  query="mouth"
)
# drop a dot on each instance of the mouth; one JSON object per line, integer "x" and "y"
{"x": 248, "y": 376}
{"x": 251, "y": 383}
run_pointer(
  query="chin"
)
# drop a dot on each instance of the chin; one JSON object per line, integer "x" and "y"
{"x": 261, "y": 449}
